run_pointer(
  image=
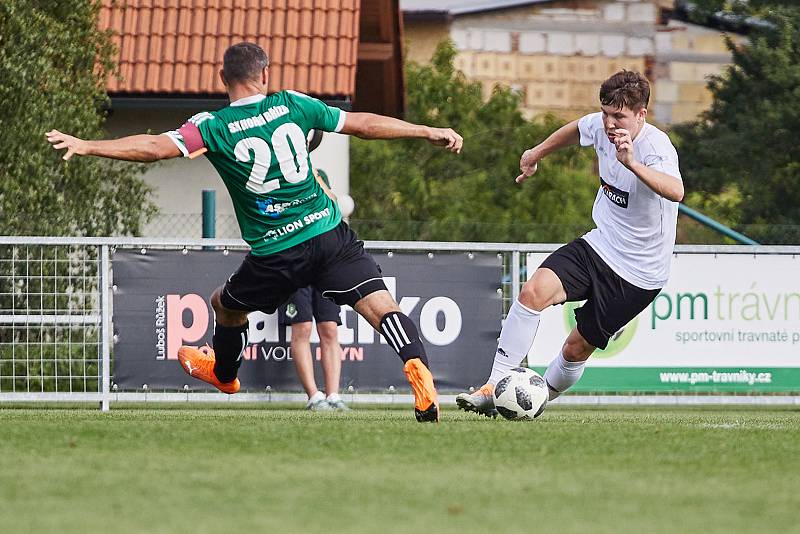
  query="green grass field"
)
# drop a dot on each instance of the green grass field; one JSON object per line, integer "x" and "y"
{"x": 260, "y": 469}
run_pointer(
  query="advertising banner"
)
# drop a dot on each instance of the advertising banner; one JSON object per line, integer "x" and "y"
{"x": 723, "y": 322}
{"x": 161, "y": 302}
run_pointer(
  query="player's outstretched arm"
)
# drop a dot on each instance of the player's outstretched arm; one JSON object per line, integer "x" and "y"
{"x": 565, "y": 136}
{"x": 372, "y": 126}
{"x": 143, "y": 148}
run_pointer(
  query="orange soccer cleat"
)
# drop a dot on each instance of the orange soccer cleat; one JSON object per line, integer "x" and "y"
{"x": 200, "y": 365}
{"x": 426, "y": 402}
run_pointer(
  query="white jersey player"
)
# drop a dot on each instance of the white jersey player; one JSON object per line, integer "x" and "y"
{"x": 620, "y": 266}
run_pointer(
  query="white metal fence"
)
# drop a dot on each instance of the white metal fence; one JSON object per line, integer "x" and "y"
{"x": 56, "y": 310}
{"x": 54, "y": 316}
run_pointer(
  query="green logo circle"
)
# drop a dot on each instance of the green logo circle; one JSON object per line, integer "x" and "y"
{"x": 618, "y": 341}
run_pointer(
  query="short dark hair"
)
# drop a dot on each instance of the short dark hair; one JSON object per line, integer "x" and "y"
{"x": 626, "y": 89}
{"x": 243, "y": 62}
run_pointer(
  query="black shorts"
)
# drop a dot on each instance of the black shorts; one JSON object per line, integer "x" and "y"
{"x": 335, "y": 263}
{"x": 306, "y": 304}
{"x": 611, "y": 301}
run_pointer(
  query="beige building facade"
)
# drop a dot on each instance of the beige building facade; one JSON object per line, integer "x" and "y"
{"x": 556, "y": 53}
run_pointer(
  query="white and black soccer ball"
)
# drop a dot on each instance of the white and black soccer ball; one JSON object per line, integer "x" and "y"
{"x": 522, "y": 395}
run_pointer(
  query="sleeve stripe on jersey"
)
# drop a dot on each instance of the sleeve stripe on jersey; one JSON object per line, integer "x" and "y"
{"x": 200, "y": 118}
{"x": 342, "y": 117}
{"x": 176, "y": 138}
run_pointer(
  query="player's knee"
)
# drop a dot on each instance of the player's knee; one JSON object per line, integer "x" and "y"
{"x": 328, "y": 332}
{"x": 223, "y": 315}
{"x": 534, "y": 296}
{"x": 577, "y": 349}
{"x": 301, "y": 331}
{"x": 375, "y": 306}
{"x": 216, "y": 300}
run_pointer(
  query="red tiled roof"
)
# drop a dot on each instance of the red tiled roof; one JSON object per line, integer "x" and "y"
{"x": 176, "y": 46}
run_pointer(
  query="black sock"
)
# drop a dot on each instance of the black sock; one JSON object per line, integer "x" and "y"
{"x": 229, "y": 345}
{"x": 403, "y": 337}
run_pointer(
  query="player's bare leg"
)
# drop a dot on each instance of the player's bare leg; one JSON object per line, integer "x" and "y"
{"x": 331, "y": 352}
{"x": 220, "y": 365}
{"x": 516, "y": 338}
{"x": 304, "y": 365}
{"x": 383, "y": 313}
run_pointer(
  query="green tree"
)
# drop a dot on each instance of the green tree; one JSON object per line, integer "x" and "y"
{"x": 741, "y": 159}
{"x": 733, "y": 13}
{"x": 413, "y": 190}
{"x": 54, "y": 65}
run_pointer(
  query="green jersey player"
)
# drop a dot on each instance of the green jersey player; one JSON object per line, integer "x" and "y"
{"x": 278, "y": 202}
{"x": 296, "y": 234}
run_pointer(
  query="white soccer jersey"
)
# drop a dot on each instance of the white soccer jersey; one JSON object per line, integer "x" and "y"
{"x": 635, "y": 232}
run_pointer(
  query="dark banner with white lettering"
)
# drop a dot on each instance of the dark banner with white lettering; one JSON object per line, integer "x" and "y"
{"x": 161, "y": 303}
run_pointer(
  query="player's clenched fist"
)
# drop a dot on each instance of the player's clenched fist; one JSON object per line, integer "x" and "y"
{"x": 528, "y": 164}
{"x": 624, "y": 144}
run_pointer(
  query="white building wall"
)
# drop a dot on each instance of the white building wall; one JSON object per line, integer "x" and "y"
{"x": 475, "y": 39}
{"x": 587, "y": 44}
{"x": 532, "y": 43}
{"x": 497, "y": 41}
{"x": 640, "y": 46}
{"x": 614, "y": 12}
{"x": 644, "y": 12}
{"x": 663, "y": 42}
{"x": 612, "y": 45}
{"x": 561, "y": 43}
{"x": 460, "y": 38}
{"x": 333, "y": 156}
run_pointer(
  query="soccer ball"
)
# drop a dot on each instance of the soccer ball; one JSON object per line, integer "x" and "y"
{"x": 522, "y": 395}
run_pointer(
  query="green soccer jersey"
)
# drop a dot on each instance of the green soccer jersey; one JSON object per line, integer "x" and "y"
{"x": 258, "y": 146}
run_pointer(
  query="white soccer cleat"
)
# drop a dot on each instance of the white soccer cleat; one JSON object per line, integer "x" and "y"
{"x": 480, "y": 402}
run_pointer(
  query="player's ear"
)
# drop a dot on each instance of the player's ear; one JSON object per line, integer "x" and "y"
{"x": 222, "y": 77}
{"x": 642, "y": 114}
{"x": 264, "y": 76}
